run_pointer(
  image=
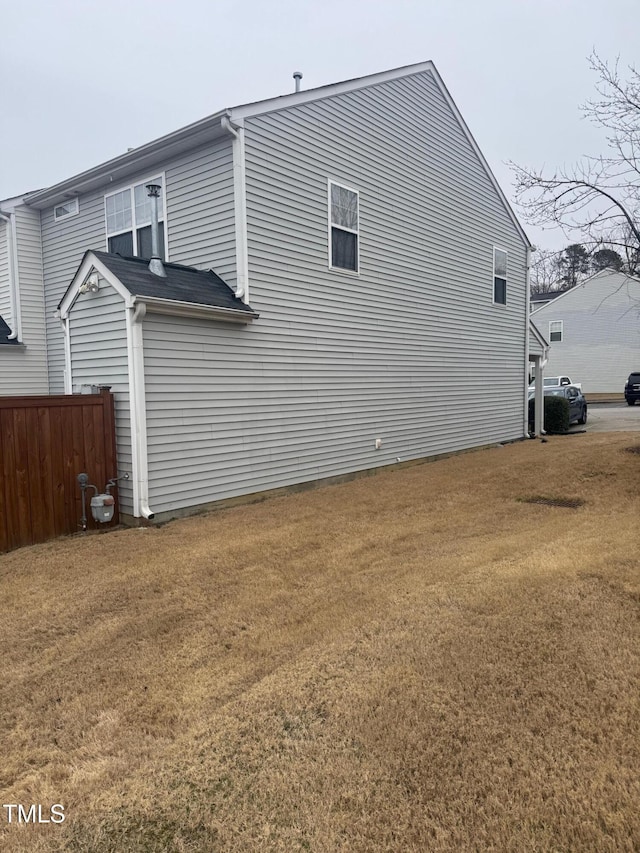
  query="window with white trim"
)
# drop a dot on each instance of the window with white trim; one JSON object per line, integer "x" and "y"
{"x": 555, "y": 330}
{"x": 128, "y": 217}
{"x": 66, "y": 209}
{"x": 344, "y": 228}
{"x": 500, "y": 258}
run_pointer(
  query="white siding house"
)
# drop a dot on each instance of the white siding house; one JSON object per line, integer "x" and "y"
{"x": 594, "y": 332}
{"x": 381, "y": 294}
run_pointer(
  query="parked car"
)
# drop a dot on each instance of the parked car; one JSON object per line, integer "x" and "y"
{"x": 632, "y": 389}
{"x": 575, "y": 398}
{"x": 555, "y": 381}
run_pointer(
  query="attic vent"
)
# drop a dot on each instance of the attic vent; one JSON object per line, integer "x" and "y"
{"x": 63, "y": 211}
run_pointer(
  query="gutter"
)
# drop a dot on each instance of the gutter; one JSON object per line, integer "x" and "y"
{"x": 199, "y": 133}
{"x": 139, "y": 458}
{"x": 14, "y": 278}
{"x": 178, "y": 308}
{"x": 240, "y": 205}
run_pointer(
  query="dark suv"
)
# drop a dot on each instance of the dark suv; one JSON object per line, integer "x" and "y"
{"x": 632, "y": 389}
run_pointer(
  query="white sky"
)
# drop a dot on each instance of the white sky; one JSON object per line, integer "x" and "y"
{"x": 83, "y": 80}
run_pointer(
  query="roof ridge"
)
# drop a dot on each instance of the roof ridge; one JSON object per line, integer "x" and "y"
{"x": 145, "y": 261}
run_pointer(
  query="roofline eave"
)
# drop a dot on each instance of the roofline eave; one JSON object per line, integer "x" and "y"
{"x": 130, "y": 162}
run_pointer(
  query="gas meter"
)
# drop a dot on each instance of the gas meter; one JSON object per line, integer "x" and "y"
{"x": 102, "y": 507}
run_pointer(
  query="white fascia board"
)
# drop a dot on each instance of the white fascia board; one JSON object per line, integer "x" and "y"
{"x": 176, "y": 308}
{"x": 454, "y": 109}
{"x": 121, "y": 167}
{"x": 295, "y": 99}
{"x": 238, "y": 114}
{"x": 8, "y": 205}
{"x": 537, "y": 334}
{"x": 89, "y": 264}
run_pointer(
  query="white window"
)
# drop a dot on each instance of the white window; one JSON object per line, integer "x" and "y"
{"x": 343, "y": 228}
{"x": 555, "y": 330}
{"x": 68, "y": 208}
{"x": 500, "y": 258}
{"x": 128, "y": 217}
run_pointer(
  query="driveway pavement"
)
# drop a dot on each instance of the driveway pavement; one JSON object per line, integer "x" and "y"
{"x": 611, "y": 417}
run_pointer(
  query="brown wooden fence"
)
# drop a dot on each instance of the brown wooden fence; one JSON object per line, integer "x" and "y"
{"x": 45, "y": 442}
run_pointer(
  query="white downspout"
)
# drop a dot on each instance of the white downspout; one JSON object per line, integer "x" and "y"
{"x": 530, "y": 250}
{"x": 14, "y": 278}
{"x": 68, "y": 384}
{"x": 138, "y": 413}
{"x": 240, "y": 207}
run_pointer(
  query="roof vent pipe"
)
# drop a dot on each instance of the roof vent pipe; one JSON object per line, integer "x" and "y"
{"x": 297, "y": 76}
{"x": 155, "y": 264}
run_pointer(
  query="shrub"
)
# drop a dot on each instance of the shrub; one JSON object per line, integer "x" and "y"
{"x": 556, "y": 415}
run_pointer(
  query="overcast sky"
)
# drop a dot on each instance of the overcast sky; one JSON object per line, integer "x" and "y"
{"x": 83, "y": 80}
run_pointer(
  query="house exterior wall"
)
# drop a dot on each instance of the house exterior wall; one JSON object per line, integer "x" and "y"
{"x": 99, "y": 356}
{"x": 200, "y": 227}
{"x": 600, "y": 344}
{"x": 412, "y": 350}
{"x": 23, "y": 369}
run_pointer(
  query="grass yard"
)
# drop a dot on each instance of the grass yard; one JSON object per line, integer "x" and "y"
{"x": 416, "y": 661}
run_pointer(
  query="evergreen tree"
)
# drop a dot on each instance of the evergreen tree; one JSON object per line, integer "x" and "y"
{"x": 573, "y": 264}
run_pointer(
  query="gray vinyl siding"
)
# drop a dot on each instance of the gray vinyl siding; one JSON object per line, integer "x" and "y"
{"x": 600, "y": 346}
{"x": 98, "y": 337}
{"x": 201, "y": 211}
{"x": 412, "y": 350}
{"x": 23, "y": 369}
{"x": 200, "y": 225}
{"x": 63, "y": 244}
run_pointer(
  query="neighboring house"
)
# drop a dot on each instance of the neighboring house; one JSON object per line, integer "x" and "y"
{"x": 539, "y": 299}
{"x": 594, "y": 332}
{"x": 368, "y": 305}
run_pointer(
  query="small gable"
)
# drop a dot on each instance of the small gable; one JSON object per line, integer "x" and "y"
{"x": 182, "y": 290}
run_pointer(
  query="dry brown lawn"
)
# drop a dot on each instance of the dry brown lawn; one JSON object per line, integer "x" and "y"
{"x": 416, "y": 661}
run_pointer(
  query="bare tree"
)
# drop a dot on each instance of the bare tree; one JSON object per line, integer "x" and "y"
{"x": 599, "y": 197}
{"x": 544, "y": 271}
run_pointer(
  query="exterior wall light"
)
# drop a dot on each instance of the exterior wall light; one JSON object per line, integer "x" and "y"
{"x": 91, "y": 284}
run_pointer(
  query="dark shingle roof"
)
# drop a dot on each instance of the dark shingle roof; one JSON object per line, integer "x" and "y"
{"x": 5, "y": 331}
{"x": 184, "y": 284}
{"x": 548, "y": 296}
